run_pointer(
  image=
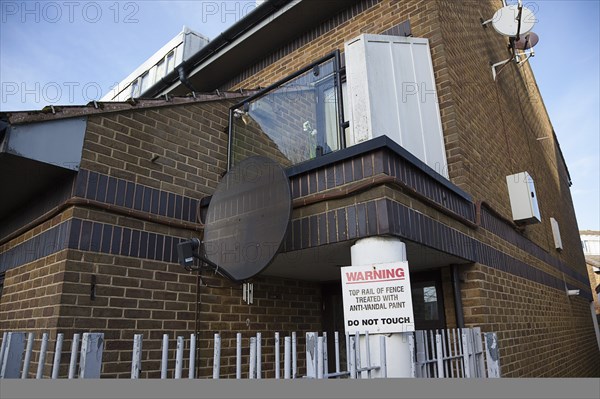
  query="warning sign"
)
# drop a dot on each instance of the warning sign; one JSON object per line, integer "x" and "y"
{"x": 377, "y": 298}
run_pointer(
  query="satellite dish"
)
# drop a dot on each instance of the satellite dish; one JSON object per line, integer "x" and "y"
{"x": 506, "y": 21}
{"x": 527, "y": 41}
{"x": 247, "y": 218}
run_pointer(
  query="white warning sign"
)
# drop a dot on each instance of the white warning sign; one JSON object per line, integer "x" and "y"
{"x": 377, "y": 298}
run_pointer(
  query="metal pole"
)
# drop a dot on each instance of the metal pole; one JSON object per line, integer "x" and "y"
{"x": 277, "y": 365}
{"x": 352, "y": 355}
{"x": 287, "y": 347}
{"x": 258, "y": 355}
{"x": 27, "y": 361}
{"x": 192, "y": 370}
{"x": 252, "y": 367}
{"x": 319, "y": 357}
{"x": 42, "y": 359}
{"x": 238, "y": 356}
{"x": 179, "y": 358}
{"x": 348, "y": 362}
{"x": 136, "y": 357}
{"x": 3, "y": 348}
{"x": 217, "y": 357}
{"x": 325, "y": 355}
{"x": 357, "y": 354}
{"x": 294, "y": 356}
{"x": 165, "y": 356}
{"x": 368, "y": 354}
{"x": 74, "y": 352}
{"x": 57, "y": 352}
{"x": 382, "y": 357}
{"x": 336, "y": 340}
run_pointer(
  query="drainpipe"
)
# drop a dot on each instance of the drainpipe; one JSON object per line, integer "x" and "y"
{"x": 458, "y": 308}
{"x": 183, "y": 79}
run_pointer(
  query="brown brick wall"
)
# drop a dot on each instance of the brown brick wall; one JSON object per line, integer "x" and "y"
{"x": 190, "y": 142}
{"x": 541, "y": 331}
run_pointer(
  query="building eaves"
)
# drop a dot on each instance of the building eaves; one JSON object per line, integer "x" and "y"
{"x": 54, "y": 112}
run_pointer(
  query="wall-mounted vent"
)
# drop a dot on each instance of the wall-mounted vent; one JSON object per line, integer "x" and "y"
{"x": 556, "y": 234}
{"x": 523, "y": 199}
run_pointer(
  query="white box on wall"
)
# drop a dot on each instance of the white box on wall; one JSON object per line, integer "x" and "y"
{"x": 556, "y": 234}
{"x": 523, "y": 199}
{"x": 392, "y": 92}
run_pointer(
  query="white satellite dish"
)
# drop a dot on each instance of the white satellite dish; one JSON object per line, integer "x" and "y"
{"x": 527, "y": 42}
{"x": 506, "y": 20}
{"x": 516, "y": 22}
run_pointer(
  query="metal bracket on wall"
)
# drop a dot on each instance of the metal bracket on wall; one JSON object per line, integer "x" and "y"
{"x": 248, "y": 293}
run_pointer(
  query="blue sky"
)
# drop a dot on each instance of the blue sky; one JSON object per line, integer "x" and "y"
{"x": 61, "y": 52}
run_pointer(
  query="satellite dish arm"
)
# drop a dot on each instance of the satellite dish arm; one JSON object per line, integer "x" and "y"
{"x": 519, "y": 16}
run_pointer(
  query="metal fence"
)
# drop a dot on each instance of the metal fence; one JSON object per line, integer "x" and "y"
{"x": 454, "y": 353}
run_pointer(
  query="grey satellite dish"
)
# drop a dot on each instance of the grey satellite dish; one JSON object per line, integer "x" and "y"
{"x": 506, "y": 21}
{"x": 247, "y": 218}
{"x": 527, "y": 42}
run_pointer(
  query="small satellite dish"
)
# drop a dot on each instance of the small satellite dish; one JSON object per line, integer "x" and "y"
{"x": 247, "y": 218}
{"x": 527, "y": 41}
{"x": 506, "y": 21}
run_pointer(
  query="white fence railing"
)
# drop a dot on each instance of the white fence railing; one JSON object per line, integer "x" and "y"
{"x": 456, "y": 353}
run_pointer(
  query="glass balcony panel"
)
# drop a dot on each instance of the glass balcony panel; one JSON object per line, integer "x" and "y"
{"x": 292, "y": 123}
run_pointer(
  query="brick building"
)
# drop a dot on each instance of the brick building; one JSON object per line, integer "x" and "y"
{"x": 101, "y": 194}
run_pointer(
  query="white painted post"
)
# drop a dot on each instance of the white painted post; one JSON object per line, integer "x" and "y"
{"x": 325, "y": 354}
{"x": 179, "y": 358}
{"x": 258, "y": 355}
{"x": 336, "y": 341}
{"x": 287, "y": 348}
{"x": 42, "y": 357}
{"x": 439, "y": 355}
{"x": 13, "y": 355}
{"x": 465, "y": 346}
{"x": 277, "y": 363}
{"x": 28, "y": 351}
{"x": 3, "y": 348}
{"x": 217, "y": 357}
{"x": 352, "y": 355}
{"x": 348, "y": 343}
{"x": 238, "y": 356}
{"x": 492, "y": 355}
{"x": 136, "y": 357}
{"x": 165, "y": 356}
{"x": 57, "y": 353}
{"x": 373, "y": 250}
{"x": 192, "y": 370}
{"x": 311, "y": 355}
{"x": 294, "y": 356}
{"x": 319, "y": 358}
{"x": 92, "y": 347}
{"x": 74, "y": 352}
{"x": 252, "y": 366}
{"x": 368, "y": 354}
{"x": 382, "y": 357}
{"x": 357, "y": 354}
{"x": 411, "y": 346}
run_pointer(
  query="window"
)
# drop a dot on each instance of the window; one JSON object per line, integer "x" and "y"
{"x": 160, "y": 69}
{"x": 170, "y": 62}
{"x": 145, "y": 82}
{"x": 295, "y": 120}
{"x": 428, "y": 301}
